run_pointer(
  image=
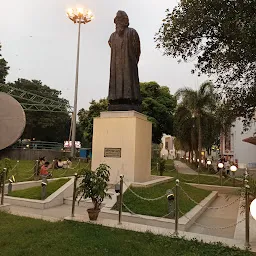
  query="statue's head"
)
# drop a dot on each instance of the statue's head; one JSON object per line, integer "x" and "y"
{"x": 122, "y": 21}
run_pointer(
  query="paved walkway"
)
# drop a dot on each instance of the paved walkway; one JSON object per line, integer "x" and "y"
{"x": 223, "y": 217}
{"x": 183, "y": 168}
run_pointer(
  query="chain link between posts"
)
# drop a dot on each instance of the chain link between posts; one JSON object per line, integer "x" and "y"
{"x": 133, "y": 213}
{"x": 212, "y": 228}
{"x": 143, "y": 198}
{"x": 211, "y": 207}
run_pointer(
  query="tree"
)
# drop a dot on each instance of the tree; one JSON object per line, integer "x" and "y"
{"x": 157, "y": 103}
{"x": 3, "y": 68}
{"x": 86, "y": 119}
{"x": 44, "y": 126}
{"x": 196, "y": 106}
{"x": 220, "y": 36}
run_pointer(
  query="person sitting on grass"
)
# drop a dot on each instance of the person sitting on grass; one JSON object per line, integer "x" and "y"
{"x": 44, "y": 170}
{"x": 60, "y": 164}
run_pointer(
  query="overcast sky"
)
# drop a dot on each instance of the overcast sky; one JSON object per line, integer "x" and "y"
{"x": 39, "y": 42}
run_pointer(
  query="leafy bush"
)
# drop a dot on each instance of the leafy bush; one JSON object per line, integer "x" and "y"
{"x": 94, "y": 185}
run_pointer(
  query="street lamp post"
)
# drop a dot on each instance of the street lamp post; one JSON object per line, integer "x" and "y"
{"x": 221, "y": 166}
{"x": 80, "y": 16}
{"x": 233, "y": 169}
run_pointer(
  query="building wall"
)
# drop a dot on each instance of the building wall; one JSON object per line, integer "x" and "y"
{"x": 244, "y": 152}
{"x": 168, "y": 150}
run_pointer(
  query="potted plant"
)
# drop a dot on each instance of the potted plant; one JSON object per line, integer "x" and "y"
{"x": 94, "y": 185}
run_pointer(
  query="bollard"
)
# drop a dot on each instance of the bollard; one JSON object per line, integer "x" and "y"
{"x": 121, "y": 199}
{"x": 221, "y": 176}
{"x": 36, "y": 168}
{"x": 247, "y": 215}
{"x": 170, "y": 198}
{"x": 43, "y": 190}
{"x": 3, "y": 184}
{"x": 74, "y": 196}
{"x": 234, "y": 180}
{"x": 176, "y": 206}
{"x": 79, "y": 163}
{"x": 9, "y": 187}
{"x": 157, "y": 168}
{"x": 198, "y": 175}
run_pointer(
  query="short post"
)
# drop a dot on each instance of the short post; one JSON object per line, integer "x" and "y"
{"x": 247, "y": 215}
{"x": 198, "y": 175}
{"x": 36, "y": 167}
{"x": 234, "y": 180}
{"x": 79, "y": 163}
{"x": 74, "y": 196}
{"x": 3, "y": 184}
{"x": 157, "y": 168}
{"x": 44, "y": 185}
{"x": 170, "y": 199}
{"x": 121, "y": 199}
{"x": 177, "y": 206}
{"x": 10, "y": 186}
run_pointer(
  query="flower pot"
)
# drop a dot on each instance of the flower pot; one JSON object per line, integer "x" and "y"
{"x": 93, "y": 213}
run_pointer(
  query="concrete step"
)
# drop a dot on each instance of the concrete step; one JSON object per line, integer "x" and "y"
{"x": 87, "y": 203}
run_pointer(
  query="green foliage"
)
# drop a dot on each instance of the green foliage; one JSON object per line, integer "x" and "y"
{"x": 35, "y": 192}
{"x": 21, "y": 236}
{"x": 86, "y": 119}
{"x": 3, "y": 68}
{"x": 44, "y": 126}
{"x": 159, "y": 208}
{"x": 195, "y": 123}
{"x": 220, "y": 36}
{"x": 94, "y": 185}
{"x": 158, "y": 104}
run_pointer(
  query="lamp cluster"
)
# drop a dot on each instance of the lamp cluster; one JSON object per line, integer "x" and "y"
{"x": 79, "y": 15}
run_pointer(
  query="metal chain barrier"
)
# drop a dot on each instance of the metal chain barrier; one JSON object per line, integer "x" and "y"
{"x": 211, "y": 207}
{"x": 213, "y": 228}
{"x": 133, "y": 213}
{"x": 143, "y": 198}
{"x": 188, "y": 180}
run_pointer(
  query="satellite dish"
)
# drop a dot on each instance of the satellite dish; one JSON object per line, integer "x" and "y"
{"x": 12, "y": 120}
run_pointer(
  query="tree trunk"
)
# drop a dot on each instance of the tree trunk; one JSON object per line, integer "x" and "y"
{"x": 199, "y": 141}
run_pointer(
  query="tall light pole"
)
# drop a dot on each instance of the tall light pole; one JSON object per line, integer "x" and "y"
{"x": 80, "y": 16}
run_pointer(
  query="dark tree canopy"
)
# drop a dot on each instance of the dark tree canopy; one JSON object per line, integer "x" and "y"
{"x": 44, "y": 126}
{"x": 157, "y": 103}
{"x": 3, "y": 68}
{"x": 220, "y": 36}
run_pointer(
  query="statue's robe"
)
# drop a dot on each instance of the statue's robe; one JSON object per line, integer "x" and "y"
{"x": 124, "y": 86}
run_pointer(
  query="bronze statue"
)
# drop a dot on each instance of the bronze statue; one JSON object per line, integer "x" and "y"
{"x": 124, "y": 86}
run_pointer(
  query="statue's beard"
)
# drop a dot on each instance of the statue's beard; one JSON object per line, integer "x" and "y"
{"x": 120, "y": 30}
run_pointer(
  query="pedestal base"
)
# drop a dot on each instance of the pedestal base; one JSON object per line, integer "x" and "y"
{"x": 122, "y": 140}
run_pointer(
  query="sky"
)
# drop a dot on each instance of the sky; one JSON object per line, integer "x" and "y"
{"x": 39, "y": 42}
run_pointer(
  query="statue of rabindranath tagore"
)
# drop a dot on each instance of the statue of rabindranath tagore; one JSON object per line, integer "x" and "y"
{"x": 124, "y": 86}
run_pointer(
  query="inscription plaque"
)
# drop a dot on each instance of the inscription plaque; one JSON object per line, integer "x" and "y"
{"x": 112, "y": 152}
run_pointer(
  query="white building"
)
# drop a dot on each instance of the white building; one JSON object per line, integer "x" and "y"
{"x": 239, "y": 146}
{"x": 168, "y": 150}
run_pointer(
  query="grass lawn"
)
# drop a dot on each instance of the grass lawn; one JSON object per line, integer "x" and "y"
{"x": 25, "y": 236}
{"x": 203, "y": 179}
{"x": 35, "y": 192}
{"x": 159, "y": 208}
{"x": 24, "y": 170}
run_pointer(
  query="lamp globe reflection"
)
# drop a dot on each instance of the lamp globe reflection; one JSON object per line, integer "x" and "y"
{"x": 253, "y": 209}
{"x": 220, "y": 165}
{"x": 233, "y": 168}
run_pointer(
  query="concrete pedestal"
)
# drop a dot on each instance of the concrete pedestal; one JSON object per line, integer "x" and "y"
{"x": 122, "y": 140}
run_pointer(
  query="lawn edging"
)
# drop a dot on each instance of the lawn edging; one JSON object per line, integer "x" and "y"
{"x": 184, "y": 223}
{"x": 55, "y": 199}
{"x": 4, "y": 208}
{"x": 220, "y": 189}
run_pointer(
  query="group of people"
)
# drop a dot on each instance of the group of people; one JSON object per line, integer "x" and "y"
{"x": 44, "y": 166}
{"x": 226, "y": 164}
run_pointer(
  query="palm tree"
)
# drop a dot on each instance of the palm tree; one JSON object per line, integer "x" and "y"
{"x": 199, "y": 103}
